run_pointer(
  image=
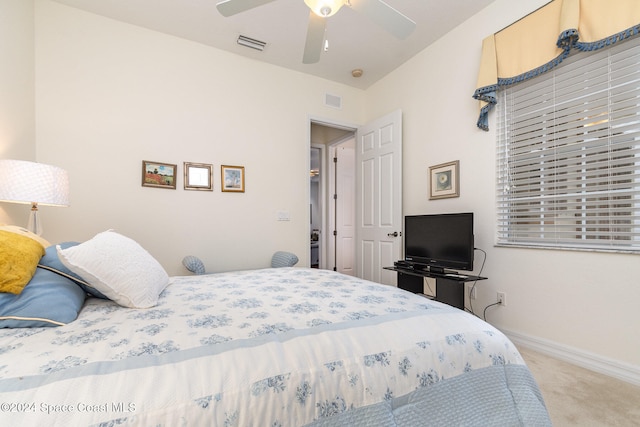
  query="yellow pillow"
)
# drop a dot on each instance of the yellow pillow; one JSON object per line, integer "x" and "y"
{"x": 19, "y": 257}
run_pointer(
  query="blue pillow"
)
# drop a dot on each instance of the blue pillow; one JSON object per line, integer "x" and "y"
{"x": 50, "y": 261}
{"x": 48, "y": 300}
{"x": 283, "y": 259}
{"x": 193, "y": 264}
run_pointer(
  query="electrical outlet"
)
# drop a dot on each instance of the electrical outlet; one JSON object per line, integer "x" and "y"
{"x": 502, "y": 298}
{"x": 471, "y": 291}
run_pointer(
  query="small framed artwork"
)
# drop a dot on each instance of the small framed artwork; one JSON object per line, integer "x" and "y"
{"x": 233, "y": 178}
{"x": 198, "y": 176}
{"x": 159, "y": 175}
{"x": 444, "y": 180}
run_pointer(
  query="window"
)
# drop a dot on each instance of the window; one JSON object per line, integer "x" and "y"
{"x": 568, "y": 154}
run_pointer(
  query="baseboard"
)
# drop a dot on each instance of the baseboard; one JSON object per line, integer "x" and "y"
{"x": 611, "y": 367}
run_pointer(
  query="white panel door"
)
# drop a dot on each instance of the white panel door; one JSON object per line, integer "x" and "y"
{"x": 379, "y": 202}
{"x": 341, "y": 249}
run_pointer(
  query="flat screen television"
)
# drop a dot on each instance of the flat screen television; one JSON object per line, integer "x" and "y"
{"x": 439, "y": 241}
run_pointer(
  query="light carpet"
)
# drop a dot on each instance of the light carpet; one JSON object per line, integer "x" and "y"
{"x": 578, "y": 397}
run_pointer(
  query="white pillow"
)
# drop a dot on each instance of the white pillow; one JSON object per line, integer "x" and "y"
{"x": 118, "y": 267}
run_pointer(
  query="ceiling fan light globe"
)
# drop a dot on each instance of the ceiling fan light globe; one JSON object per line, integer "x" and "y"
{"x": 324, "y": 8}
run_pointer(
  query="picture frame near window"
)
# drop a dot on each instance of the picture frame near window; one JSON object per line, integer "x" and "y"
{"x": 198, "y": 176}
{"x": 232, "y": 178}
{"x": 159, "y": 175}
{"x": 444, "y": 180}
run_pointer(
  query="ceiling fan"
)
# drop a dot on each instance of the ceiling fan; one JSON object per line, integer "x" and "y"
{"x": 377, "y": 10}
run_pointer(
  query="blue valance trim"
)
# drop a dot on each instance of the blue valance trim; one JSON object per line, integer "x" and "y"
{"x": 483, "y": 119}
{"x": 567, "y": 40}
{"x": 490, "y": 99}
{"x": 508, "y": 81}
{"x": 623, "y": 35}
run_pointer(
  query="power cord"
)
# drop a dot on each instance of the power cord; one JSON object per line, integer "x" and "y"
{"x": 484, "y": 314}
{"x": 471, "y": 289}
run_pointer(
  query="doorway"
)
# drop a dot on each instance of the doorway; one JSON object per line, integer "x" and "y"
{"x": 377, "y": 195}
{"x": 316, "y": 195}
{"x": 332, "y": 197}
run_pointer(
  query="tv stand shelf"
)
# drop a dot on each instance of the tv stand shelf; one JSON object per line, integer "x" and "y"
{"x": 449, "y": 285}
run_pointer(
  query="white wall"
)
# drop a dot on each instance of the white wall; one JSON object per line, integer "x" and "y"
{"x": 110, "y": 95}
{"x": 17, "y": 111}
{"x": 579, "y": 300}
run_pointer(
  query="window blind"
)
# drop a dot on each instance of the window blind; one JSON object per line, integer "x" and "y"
{"x": 568, "y": 154}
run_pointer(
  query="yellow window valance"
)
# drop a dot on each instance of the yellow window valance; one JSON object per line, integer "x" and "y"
{"x": 541, "y": 40}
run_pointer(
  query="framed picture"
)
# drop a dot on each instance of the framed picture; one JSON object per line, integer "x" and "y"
{"x": 159, "y": 175}
{"x": 445, "y": 180}
{"x": 233, "y": 178}
{"x": 198, "y": 176}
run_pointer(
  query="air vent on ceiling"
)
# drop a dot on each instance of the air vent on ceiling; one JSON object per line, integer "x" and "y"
{"x": 333, "y": 101}
{"x": 252, "y": 43}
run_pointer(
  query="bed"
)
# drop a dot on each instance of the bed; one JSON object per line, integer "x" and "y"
{"x": 268, "y": 347}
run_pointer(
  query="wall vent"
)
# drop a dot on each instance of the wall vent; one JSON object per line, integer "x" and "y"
{"x": 333, "y": 101}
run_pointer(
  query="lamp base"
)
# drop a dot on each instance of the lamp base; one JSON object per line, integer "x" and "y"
{"x": 34, "y": 225}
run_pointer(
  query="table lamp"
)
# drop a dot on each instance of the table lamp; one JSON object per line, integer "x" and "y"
{"x": 36, "y": 183}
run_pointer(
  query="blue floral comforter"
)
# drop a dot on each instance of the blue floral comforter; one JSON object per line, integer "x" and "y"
{"x": 272, "y": 347}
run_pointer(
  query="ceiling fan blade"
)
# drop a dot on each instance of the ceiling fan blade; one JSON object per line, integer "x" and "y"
{"x": 315, "y": 38}
{"x": 384, "y": 15}
{"x": 231, "y": 7}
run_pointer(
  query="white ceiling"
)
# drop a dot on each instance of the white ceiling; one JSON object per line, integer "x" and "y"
{"x": 354, "y": 41}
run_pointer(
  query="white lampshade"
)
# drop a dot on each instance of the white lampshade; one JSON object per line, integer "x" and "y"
{"x": 34, "y": 183}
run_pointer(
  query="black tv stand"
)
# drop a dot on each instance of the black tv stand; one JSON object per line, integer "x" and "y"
{"x": 449, "y": 284}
